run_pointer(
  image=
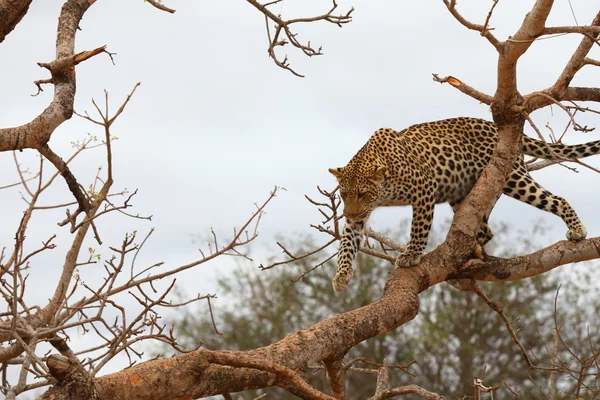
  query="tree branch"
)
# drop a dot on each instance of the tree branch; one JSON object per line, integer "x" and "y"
{"x": 409, "y": 389}
{"x": 72, "y": 378}
{"x": 517, "y": 45}
{"x": 582, "y": 94}
{"x": 285, "y": 377}
{"x": 337, "y": 377}
{"x": 466, "y": 89}
{"x": 511, "y": 269}
{"x": 158, "y": 4}
{"x": 63, "y": 168}
{"x": 585, "y": 30}
{"x": 482, "y": 29}
{"x": 283, "y": 35}
{"x": 11, "y": 13}
{"x": 559, "y": 91}
{"x": 36, "y": 133}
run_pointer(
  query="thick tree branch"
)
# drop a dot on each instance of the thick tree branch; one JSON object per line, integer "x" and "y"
{"x": 582, "y": 94}
{"x": 11, "y": 13}
{"x": 585, "y": 30}
{"x": 512, "y": 269}
{"x": 532, "y": 26}
{"x": 71, "y": 378}
{"x": 36, "y": 133}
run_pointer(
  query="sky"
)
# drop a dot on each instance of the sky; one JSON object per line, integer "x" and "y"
{"x": 215, "y": 125}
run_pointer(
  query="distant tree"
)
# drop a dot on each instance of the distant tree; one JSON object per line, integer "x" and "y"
{"x": 454, "y": 337}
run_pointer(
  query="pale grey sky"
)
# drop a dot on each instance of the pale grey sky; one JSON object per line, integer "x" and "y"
{"x": 215, "y": 124}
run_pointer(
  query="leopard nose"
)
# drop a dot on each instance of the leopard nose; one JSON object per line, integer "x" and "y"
{"x": 350, "y": 214}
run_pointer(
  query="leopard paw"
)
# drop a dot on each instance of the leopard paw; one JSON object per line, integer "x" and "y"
{"x": 407, "y": 260}
{"x": 575, "y": 235}
{"x": 341, "y": 279}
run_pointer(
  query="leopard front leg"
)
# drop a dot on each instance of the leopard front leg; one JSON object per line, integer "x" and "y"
{"x": 422, "y": 217}
{"x": 349, "y": 246}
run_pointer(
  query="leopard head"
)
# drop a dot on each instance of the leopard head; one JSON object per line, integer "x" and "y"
{"x": 359, "y": 188}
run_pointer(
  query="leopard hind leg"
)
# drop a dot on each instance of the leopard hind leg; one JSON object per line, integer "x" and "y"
{"x": 521, "y": 186}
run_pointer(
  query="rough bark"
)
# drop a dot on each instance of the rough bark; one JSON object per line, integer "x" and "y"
{"x": 37, "y": 132}
{"x": 11, "y": 13}
{"x": 73, "y": 380}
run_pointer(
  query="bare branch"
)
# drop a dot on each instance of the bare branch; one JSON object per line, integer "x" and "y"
{"x": 510, "y": 389}
{"x": 61, "y": 65}
{"x": 11, "y": 13}
{"x": 409, "y": 389}
{"x": 337, "y": 377}
{"x": 472, "y": 286}
{"x": 63, "y": 168}
{"x": 158, "y": 4}
{"x": 487, "y": 19}
{"x": 284, "y": 35}
{"x": 582, "y": 94}
{"x": 466, "y": 89}
{"x": 585, "y": 30}
{"x": 484, "y": 30}
{"x": 559, "y": 91}
{"x": 37, "y": 132}
{"x": 508, "y": 269}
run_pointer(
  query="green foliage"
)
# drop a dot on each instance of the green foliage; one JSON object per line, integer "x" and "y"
{"x": 452, "y": 339}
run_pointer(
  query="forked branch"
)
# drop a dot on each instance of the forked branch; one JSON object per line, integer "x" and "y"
{"x": 484, "y": 29}
{"x": 283, "y": 35}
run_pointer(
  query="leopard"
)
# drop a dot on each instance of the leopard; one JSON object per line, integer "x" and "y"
{"x": 438, "y": 162}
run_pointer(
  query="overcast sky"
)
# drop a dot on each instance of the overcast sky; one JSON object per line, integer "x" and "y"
{"x": 216, "y": 125}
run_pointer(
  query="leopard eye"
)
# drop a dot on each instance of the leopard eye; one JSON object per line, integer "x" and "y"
{"x": 362, "y": 194}
{"x": 343, "y": 194}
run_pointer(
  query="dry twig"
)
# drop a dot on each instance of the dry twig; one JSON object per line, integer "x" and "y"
{"x": 283, "y": 34}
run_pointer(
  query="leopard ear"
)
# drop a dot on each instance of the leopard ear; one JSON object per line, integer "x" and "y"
{"x": 337, "y": 172}
{"x": 378, "y": 175}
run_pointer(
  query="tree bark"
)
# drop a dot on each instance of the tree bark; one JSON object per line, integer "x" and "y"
{"x": 11, "y": 13}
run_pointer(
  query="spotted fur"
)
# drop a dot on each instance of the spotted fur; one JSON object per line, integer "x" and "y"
{"x": 431, "y": 163}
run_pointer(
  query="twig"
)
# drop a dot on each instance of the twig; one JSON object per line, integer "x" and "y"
{"x": 409, "y": 389}
{"x": 63, "y": 168}
{"x": 482, "y": 29}
{"x": 472, "y": 286}
{"x": 510, "y": 389}
{"x": 212, "y": 317}
{"x": 283, "y": 34}
{"x": 487, "y": 19}
{"x": 158, "y": 4}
